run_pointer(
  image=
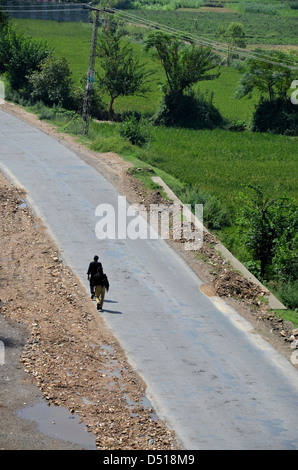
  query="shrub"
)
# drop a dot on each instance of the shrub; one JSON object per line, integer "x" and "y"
{"x": 20, "y": 56}
{"x": 216, "y": 214}
{"x": 236, "y": 126}
{"x": 285, "y": 260}
{"x": 278, "y": 116}
{"x": 51, "y": 83}
{"x": 97, "y": 109}
{"x": 190, "y": 111}
{"x": 268, "y": 229}
{"x": 288, "y": 294}
{"x": 136, "y": 131}
{"x": 253, "y": 267}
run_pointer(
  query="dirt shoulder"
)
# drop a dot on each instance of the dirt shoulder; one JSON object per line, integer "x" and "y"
{"x": 71, "y": 355}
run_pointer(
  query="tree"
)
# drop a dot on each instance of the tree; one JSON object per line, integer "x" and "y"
{"x": 51, "y": 83}
{"x": 4, "y": 21}
{"x": 273, "y": 78}
{"x": 123, "y": 75}
{"x": 234, "y": 36}
{"x": 269, "y": 230}
{"x": 184, "y": 66}
{"x": 20, "y": 56}
{"x": 267, "y": 74}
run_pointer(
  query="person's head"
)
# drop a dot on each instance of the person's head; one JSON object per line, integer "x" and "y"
{"x": 95, "y": 258}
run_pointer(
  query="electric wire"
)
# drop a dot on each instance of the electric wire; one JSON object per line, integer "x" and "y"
{"x": 203, "y": 41}
{"x": 186, "y": 36}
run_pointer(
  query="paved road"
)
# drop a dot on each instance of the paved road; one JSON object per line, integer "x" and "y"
{"x": 214, "y": 381}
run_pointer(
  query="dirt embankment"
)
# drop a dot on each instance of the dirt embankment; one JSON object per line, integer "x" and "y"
{"x": 71, "y": 354}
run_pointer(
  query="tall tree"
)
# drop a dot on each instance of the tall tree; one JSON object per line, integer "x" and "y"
{"x": 234, "y": 36}
{"x": 122, "y": 73}
{"x": 184, "y": 66}
{"x": 267, "y": 74}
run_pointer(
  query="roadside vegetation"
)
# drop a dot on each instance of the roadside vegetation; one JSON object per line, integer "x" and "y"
{"x": 194, "y": 117}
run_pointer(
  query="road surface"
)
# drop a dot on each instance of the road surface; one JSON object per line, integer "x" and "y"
{"x": 215, "y": 382}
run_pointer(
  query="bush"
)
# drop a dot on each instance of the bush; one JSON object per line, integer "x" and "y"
{"x": 97, "y": 109}
{"x": 188, "y": 110}
{"x": 136, "y": 131}
{"x": 236, "y": 126}
{"x": 51, "y": 83}
{"x": 20, "y": 56}
{"x": 254, "y": 268}
{"x": 278, "y": 116}
{"x": 285, "y": 261}
{"x": 293, "y": 4}
{"x": 268, "y": 228}
{"x": 216, "y": 215}
{"x": 288, "y": 294}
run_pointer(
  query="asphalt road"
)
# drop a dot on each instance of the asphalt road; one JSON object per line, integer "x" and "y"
{"x": 208, "y": 375}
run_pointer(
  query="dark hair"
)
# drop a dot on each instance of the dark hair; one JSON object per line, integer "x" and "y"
{"x": 95, "y": 258}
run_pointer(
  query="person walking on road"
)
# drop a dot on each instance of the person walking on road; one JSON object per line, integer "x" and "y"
{"x": 92, "y": 270}
{"x": 101, "y": 284}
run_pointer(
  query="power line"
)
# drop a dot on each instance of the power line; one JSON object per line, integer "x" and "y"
{"x": 215, "y": 45}
{"x": 222, "y": 47}
{"x": 186, "y": 36}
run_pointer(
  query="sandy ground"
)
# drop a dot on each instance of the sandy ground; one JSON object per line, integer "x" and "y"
{"x": 70, "y": 355}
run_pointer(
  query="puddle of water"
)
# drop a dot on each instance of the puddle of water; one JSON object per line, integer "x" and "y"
{"x": 59, "y": 423}
{"x": 23, "y": 204}
{"x": 145, "y": 403}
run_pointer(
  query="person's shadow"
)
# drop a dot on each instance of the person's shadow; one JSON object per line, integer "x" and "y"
{"x": 114, "y": 312}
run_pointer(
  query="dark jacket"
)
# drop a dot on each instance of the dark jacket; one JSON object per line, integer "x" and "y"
{"x": 93, "y": 267}
{"x": 100, "y": 279}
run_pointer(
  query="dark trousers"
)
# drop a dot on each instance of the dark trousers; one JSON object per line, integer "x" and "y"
{"x": 92, "y": 288}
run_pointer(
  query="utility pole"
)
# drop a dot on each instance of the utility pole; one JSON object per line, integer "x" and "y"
{"x": 90, "y": 77}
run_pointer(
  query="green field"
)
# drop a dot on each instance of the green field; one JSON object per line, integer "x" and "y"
{"x": 259, "y": 28}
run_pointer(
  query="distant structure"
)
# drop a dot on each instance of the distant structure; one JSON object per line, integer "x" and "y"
{"x": 43, "y": 10}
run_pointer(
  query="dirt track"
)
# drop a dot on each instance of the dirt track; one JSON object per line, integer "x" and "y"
{"x": 70, "y": 355}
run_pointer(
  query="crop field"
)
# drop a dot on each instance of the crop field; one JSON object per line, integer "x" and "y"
{"x": 259, "y": 28}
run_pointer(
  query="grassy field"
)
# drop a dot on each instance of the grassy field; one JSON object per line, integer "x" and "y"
{"x": 70, "y": 40}
{"x": 268, "y": 7}
{"x": 259, "y": 28}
